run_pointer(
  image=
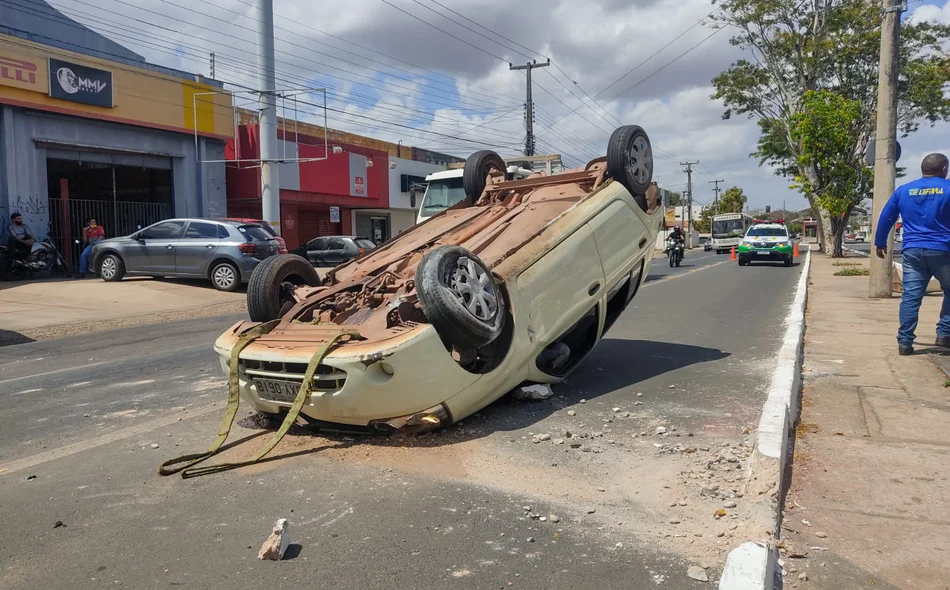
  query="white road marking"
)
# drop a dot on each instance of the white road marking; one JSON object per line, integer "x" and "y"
{"x": 37, "y": 390}
{"x": 56, "y": 372}
{"x": 80, "y": 384}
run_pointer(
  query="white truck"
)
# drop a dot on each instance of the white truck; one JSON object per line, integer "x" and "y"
{"x": 444, "y": 188}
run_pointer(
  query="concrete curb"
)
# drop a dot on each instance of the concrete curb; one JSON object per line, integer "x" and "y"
{"x": 752, "y": 565}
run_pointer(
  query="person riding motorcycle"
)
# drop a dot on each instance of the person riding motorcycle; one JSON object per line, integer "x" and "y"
{"x": 677, "y": 236}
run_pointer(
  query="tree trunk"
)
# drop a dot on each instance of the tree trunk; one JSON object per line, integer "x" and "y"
{"x": 832, "y": 228}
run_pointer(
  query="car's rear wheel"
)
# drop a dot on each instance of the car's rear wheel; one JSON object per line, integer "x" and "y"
{"x": 477, "y": 168}
{"x": 630, "y": 161}
{"x": 270, "y": 290}
{"x": 111, "y": 268}
{"x": 460, "y": 297}
{"x": 225, "y": 277}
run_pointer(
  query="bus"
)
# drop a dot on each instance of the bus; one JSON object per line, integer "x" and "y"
{"x": 728, "y": 230}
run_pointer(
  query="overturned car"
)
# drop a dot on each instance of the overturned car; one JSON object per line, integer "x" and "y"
{"x": 516, "y": 283}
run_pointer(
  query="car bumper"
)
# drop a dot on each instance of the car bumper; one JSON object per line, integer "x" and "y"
{"x": 246, "y": 265}
{"x": 777, "y": 253}
{"x": 376, "y": 385}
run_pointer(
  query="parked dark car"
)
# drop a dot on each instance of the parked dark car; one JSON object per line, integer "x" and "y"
{"x": 224, "y": 252}
{"x": 334, "y": 250}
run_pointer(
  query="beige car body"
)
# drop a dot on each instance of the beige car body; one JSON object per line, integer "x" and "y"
{"x": 558, "y": 245}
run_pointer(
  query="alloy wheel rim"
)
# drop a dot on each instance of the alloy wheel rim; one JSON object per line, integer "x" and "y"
{"x": 108, "y": 268}
{"x": 640, "y": 159}
{"x": 474, "y": 288}
{"x": 224, "y": 276}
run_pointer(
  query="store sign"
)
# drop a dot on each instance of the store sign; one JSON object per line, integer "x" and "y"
{"x": 334, "y": 215}
{"x": 17, "y": 72}
{"x": 78, "y": 83}
{"x": 358, "y": 175}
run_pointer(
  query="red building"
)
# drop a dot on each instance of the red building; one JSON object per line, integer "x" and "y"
{"x": 317, "y": 197}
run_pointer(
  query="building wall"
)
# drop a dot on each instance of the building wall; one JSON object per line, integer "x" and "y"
{"x": 397, "y": 198}
{"x": 25, "y": 137}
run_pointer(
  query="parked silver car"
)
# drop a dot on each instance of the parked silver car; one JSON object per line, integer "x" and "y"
{"x": 225, "y": 252}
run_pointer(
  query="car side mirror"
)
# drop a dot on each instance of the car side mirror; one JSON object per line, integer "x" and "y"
{"x": 138, "y": 238}
{"x": 412, "y": 197}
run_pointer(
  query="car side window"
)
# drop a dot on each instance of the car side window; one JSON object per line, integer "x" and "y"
{"x": 223, "y": 232}
{"x": 200, "y": 230}
{"x": 317, "y": 245}
{"x": 336, "y": 244}
{"x": 169, "y": 230}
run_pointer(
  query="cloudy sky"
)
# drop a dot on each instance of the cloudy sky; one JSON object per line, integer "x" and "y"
{"x": 434, "y": 73}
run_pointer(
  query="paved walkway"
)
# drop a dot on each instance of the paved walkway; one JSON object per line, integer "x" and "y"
{"x": 871, "y": 469}
{"x": 50, "y": 309}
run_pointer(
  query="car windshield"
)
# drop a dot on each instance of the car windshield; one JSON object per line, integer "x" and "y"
{"x": 770, "y": 232}
{"x": 255, "y": 233}
{"x": 441, "y": 195}
{"x": 364, "y": 244}
{"x": 727, "y": 228}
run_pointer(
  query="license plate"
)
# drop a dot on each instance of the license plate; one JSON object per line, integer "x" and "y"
{"x": 277, "y": 390}
{"x": 764, "y": 252}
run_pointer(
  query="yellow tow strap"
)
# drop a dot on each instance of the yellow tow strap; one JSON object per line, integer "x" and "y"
{"x": 234, "y": 386}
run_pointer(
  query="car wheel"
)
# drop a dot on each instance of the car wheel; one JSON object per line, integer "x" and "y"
{"x": 225, "y": 277}
{"x": 477, "y": 167}
{"x": 111, "y": 268}
{"x": 630, "y": 161}
{"x": 270, "y": 290}
{"x": 460, "y": 297}
{"x": 788, "y": 262}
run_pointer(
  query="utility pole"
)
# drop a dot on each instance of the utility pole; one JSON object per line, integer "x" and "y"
{"x": 270, "y": 182}
{"x": 717, "y": 190}
{"x": 529, "y": 105}
{"x": 885, "y": 154}
{"x": 689, "y": 200}
{"x": 212, "y": 65}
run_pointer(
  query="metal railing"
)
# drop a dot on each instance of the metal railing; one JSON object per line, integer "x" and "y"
{"x": 119, "y": 218}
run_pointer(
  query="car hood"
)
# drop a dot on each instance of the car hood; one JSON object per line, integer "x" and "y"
{"x": 114, "y": 241}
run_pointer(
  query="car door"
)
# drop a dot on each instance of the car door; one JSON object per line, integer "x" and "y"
{"x": 315, "y": 251}
{"x": 335, "y": 253}
{"x": 154, "y": 250}
{"x": 621, "y": 240}
{"x": 197, "y": 247}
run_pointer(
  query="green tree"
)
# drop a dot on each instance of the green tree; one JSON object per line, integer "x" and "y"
{"x": 795, "y": 47}
{"x": 733, "y": 200}
{"x": 824, "y": 131}
{"x": 704, "y": 223}
{"x": 676, "y": 199}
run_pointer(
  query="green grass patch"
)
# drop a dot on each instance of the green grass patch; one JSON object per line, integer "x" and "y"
{"x": 853, "y": 272}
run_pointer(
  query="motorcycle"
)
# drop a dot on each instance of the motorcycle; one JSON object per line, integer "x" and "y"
{"x": 43, "y": 256}
{"x": 675, "y": 253}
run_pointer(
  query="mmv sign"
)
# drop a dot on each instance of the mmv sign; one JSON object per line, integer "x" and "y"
{"x": 79, "y": 83}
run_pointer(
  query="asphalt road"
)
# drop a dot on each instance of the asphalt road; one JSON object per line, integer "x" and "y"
{"x": 692, "y": 354}
{"x": 865, "y": 247}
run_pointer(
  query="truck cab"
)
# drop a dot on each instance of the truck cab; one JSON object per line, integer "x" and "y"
{"x": 444, "y": 189}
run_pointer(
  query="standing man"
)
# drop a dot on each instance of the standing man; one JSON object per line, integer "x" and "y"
{"x": 92, "y": 234}
{"x": 19, "y": 243}
{"x": 924, "y": 208}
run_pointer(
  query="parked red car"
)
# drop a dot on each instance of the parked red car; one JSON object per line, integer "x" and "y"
{"x": 281, "y": 244}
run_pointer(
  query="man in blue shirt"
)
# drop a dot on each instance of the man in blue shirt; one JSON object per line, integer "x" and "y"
{"x": 924, "y": 208}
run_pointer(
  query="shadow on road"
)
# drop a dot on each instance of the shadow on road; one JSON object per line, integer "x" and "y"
{"x": 10, "y": 338}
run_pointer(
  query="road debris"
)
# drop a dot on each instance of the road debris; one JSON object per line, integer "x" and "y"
{"x": 554, "y": 518}
{"x": 537, "y": 392}
{"x": 276, "y": 544}
{"x": 154, "y": 445}
{"x": 697, "y": 573}
{"x": 571, "y": 413}
{"x": 30, "y": 477}
{"x": 58, "y": 524}
{"x": 821, "y": 535}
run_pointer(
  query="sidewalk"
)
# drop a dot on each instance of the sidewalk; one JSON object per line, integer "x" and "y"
{"x": 41, "y": 310}
{"x": 868, "y": 500}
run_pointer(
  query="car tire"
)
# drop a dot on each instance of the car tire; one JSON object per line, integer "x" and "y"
{"x": 630, "y": 161}
{"x": 225, "y": 277}
{"x": 111, "y": 268}
{"x": 267, "y": 293}
{"x": 466, "y": 318}
{"x": 477, "y": 167}
{"x": 788, "y": 262}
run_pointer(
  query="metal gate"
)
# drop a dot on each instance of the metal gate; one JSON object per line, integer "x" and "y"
{"x": 119, "y": 218}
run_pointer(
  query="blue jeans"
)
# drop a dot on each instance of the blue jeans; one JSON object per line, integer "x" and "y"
{"x": 919, "y": 266}
{"x": 84, "y": 259}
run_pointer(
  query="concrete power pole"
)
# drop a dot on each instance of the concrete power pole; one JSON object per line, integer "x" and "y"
{"x": 689, "y": 200}
{"x": 270, "y": 181}
{"x": 885, "y": 160}
{"x": 529, "y": 105}
{"x": 717, "y": 191}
